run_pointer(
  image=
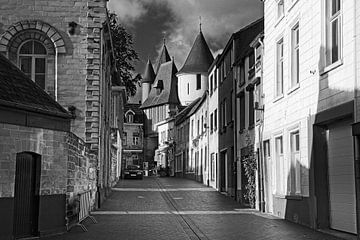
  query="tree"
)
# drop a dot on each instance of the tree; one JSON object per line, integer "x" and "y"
{"x": 125, "y": 54}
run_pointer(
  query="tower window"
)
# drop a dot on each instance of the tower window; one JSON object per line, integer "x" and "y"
{"x": 198, "y": 81}
{"x": 32, "y": 61}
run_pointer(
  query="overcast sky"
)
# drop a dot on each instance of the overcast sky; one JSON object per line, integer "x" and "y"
{"x": 178, "y": 20}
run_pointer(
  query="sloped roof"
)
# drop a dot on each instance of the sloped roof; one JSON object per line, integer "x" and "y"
{"x": 19, "y": 91}
{"x": 149, "y": 74}
{"x": 185, "y": 113}
{"x": 245, "y": 36}
{"x": 199, "y": 58}
{"x": 163, "y": 58}
{"x": 169, "y": 94}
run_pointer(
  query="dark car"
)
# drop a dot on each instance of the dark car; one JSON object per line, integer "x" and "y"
{"x": 133, "y": 171}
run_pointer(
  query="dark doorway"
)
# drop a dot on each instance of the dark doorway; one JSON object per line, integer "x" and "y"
{"x": 26, "y": 200}
{"x": 222, "y": 171}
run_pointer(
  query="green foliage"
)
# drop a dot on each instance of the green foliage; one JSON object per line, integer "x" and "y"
{"x": 125, "y": 55}
{"x": 250, "y": 167}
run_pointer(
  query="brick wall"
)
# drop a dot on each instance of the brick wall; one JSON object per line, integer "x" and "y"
{"x": 51, "y": 145}
{"x": 78, "y": 59}
{"x": 81, "y": 164}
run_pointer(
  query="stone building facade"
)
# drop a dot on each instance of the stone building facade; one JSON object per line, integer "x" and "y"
{"x": 65, "y": 48}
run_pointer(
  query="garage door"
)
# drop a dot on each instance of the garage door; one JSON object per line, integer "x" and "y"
{"x": 341, "y": 178}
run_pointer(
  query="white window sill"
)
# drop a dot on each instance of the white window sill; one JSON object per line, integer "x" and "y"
{"x": 293, "y": 89}
{"x": 331, "y": 67}
{"x": 292, "y": 5}
{"x": 278, "y": 98}
{"x": 279, "y": 20}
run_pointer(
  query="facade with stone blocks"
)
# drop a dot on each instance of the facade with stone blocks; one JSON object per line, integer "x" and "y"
{"x": 65, "y": 48}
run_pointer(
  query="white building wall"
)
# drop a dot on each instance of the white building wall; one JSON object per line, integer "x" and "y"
{"x": 318, "y": 89}
{"x": 213, "y": 135}
{"x": 184, "y": 80}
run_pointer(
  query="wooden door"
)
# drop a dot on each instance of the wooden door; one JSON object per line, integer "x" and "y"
{"x": 26, "y": 197}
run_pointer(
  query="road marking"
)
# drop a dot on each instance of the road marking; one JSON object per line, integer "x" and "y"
{"x": 171, "y": 212}
{"x": 163, "y": 189}
{"x": 140, "y": 197}
{"x": 177, "y": 198}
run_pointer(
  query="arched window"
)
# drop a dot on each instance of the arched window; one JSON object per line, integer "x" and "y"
{"x": 130, "y": 118}
{"x": 32, "y": 61}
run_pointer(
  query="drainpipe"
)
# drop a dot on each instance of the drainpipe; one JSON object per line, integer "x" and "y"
{"x": 356, "y": 138}
{"x": 261, "y": 127}
{"x": 56, "y": 74}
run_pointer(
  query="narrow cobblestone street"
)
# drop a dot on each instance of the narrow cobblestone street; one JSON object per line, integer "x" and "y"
{"x": 171, "y": 208}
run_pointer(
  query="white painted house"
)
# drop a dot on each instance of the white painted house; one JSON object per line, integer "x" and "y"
{"x": 309, "y": 82}
{"x": 213, "y": 126}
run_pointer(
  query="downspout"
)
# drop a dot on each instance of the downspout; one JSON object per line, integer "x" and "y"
{"x": 261, "y": 128}
{"x": 235, "y": 162}
{"x": 356, "y": 138}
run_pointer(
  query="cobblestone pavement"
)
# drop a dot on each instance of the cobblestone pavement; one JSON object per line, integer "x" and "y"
{"x": 170, "y": 208}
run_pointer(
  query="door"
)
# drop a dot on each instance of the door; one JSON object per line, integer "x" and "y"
{"x": 26, "y": 197}
{"x": 222, "y": 171}
{"x": 341, "y": 178}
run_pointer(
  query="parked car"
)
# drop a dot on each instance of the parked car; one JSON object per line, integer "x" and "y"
{"x": 133, "y": 171}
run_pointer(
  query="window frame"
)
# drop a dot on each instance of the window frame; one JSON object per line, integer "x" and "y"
{"x": 33, "y": 57}
{"x": 279, "y": 92}
{"x": 295, "y": 56}
{"x": 329, "y": 19}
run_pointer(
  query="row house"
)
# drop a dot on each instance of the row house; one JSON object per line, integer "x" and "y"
{"x": 133, "y": 136}
{"x": 72, "y": 60}
{"x": 309, "y": 82}
{"x": 164, "y": 154}
{"x": 246, "y": 85}
{"x": 212, "y": 125}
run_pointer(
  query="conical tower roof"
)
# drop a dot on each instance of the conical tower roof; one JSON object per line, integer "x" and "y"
{"x": 199, "y": 58}
{"x": 149, "y": 74}
{"x": 163, "y": 58}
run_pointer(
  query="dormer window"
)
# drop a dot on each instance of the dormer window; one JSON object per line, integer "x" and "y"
{"x": 129, "y": 116}
{"x": 159, "y": 87}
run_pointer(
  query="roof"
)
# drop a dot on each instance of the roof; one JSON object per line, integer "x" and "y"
{"x": 19, "y": 91}
{"x": 163, "y": 58}
{"x": 169, "y": 94}
{"x": 185, "y": 113}
{"x": 138, "y": 118}
{"x": 149, "y": 74}
{"x": 243, "y": 39}
{"x": 199, "y": 58}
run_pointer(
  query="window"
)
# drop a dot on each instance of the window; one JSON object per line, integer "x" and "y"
{"x": 211, "y": 84}
{"x": 198, "y": 127}
{"x": 295, "y": 178}
{"x": 280, "y": 67}
{"x": 224, "y": 113}
{"x": 231, "y": 105}
{"x": 202, "y": 124}
{"x": 192, "y": 128}
{"x": 242, "y": 75}
{"x": 280, "y": 176}
{"x": 125, "y": 138}
{"x": 295, "y": 56}
{"x": 32, "y": 61}
{"x": 212, "y": 170}
{"x": 280, "y": 8}
{"x": 198, "y": 81}
{"x": 188, "y": 88}
{"x": 251, "y": 72}
{"x": 333, "y": 31}
{"x": 135, "y": 140}
{"x": 215, "y": 119}
{"x": 211, "y": 122}
{"x": 215, "y": 79}
{"x": 130, "y": 118}
{"x": 251, "y": 108}
{"x": 242, "y": 111}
